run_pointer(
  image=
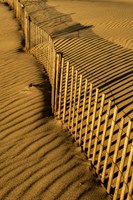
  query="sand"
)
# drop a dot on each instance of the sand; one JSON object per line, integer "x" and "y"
{"x": 38, "y": 159}
{"x": 111, "y": 20}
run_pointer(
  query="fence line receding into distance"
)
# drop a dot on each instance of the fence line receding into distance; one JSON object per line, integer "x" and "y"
{"x": 92, "y": 119}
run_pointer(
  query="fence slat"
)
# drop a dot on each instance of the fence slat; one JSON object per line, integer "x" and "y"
{"x": 129, "y": 164}
{"x": 48, "y": 57}
{"x": 109, "y": 143}
{"x": 60, "y": 91}
{"x": 83, "y": 112}
{"x": 115, "y": 156}
{"x": 71, "y": 97}
{"x": 88, "y": 116}
{"x": 98, "y": 128}
{"x": 129, "y": 196}
{"x": 93, "y": 123}
{"x": 37, "y": 35}
{"x": 74, "y": 101}
{"x": 78, "y": 105}
{"x": 65, "y": 97}
{"x": 122, "y": 161}
{"x": 103, "y": 137}
{"x": 40, "y": 35}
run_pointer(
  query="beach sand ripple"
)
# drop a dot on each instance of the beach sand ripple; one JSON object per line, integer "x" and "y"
{"x": 37, "y": 156}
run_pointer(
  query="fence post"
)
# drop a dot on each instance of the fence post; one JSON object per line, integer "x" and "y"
{"x": 71, "y": 97}
{"x": 103, "y": 136}
{"x": 25, "y": 22}
{"x": 65, "y": 96}
{"x": 25, "y": 27}
{"x": 50, "y": 57}
{"x": 16, "y": 8}
{"x": 53, "y": 82}
{"x": 27, "y": 35}
{"x": 74, "y": 101}
{"x": 22, "y": 15}
{"x": 36, "y": 38}
{"x": 93, "y": 123}
{"x": 122, "y": 161}
{"x": 98, "y": 128}
{"x": 109, "y": 143}
{"x": 60, "y": 92}
{"x": 19, "y": 10}
{"x": 57, "y": 71}
{"x": 83, "y": 112}
{"x": 88, "y": 116}
{"x": 78, "y": 105}
{"x": 115, "y": 155}
{"x": 14, "y": 4}
{"x": 129, "y": 164}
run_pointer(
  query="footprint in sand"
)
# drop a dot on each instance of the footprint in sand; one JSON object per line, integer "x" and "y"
{"x": 40, "y": 87}
{"x": 30, "y": 89}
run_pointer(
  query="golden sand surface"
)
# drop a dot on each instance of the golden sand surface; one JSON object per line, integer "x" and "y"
{"x": 37, "y": 157}
{"x": 111, "y": 19}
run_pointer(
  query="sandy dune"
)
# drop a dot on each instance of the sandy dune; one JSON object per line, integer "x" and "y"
{"x": 37, "y": 157}
{"x": 111, "y": 20}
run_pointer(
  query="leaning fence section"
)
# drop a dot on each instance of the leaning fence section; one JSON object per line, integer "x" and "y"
{"x": 37, "y": 42}
{"x": 95, "y": 124}
{"x": 92, "y": 119}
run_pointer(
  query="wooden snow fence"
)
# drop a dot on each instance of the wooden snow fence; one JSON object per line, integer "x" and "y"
{"x": 92, "y": 119}
{"x": 95, "y": 124}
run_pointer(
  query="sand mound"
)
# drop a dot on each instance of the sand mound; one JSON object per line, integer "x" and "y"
{"x": 37, "y": 157}
{"x": 111, "y": 20}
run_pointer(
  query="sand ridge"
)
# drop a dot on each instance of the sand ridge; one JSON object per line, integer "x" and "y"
{"x": 37, "y": 157}
{"x": 111, "y": 20}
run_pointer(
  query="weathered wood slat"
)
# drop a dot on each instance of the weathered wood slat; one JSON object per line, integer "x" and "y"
{"x": 122, "y": 162}
{"x": 88, "y": 116}
{"x": 98, "y": 128}
{"x": 115, "y": 156}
